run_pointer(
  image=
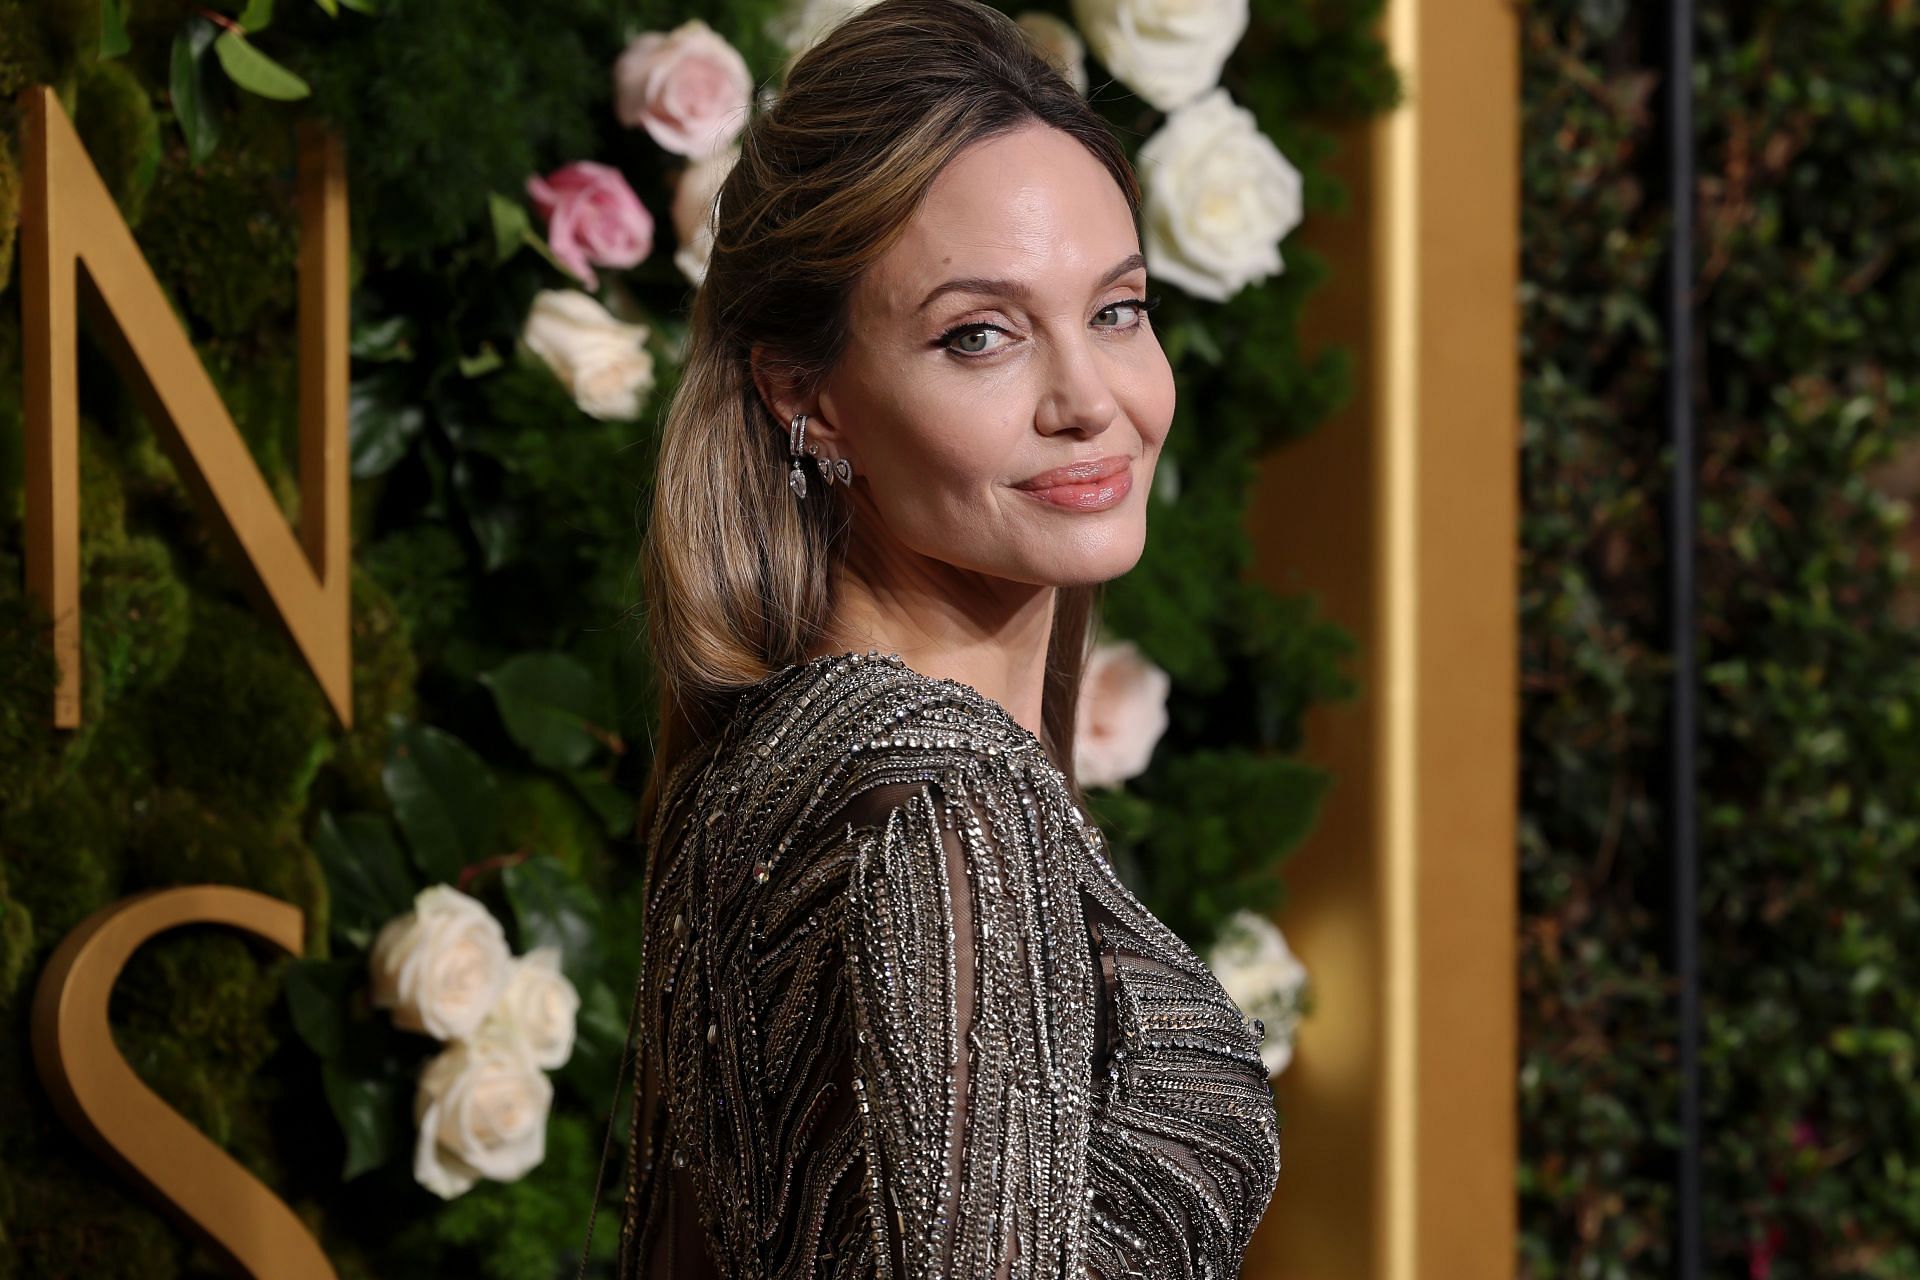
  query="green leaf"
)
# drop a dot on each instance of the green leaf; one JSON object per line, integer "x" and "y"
{"x": 484, "y": 361}
{"x": 615, "y": 808}
{"x": 329, "y": 7}
{"x": 255, "y": 72}
{"x": 359, "y": 6}
{"x": 547, "y": 700}
{"x": 381, "y": 425}
{"x": 599, "y": 1041}
{"x": 317, "y": 996}
{"x": 113, "y": 29}
{"x": 187, "y": 86}
{"x": 257, "y": 15}
{"x": 445, "y": 798}
{"x": 385, "y": 340}
{"x": 511, "y": 225}
{"x": 368, "y": 881}
{"x": 370, "y": 1116}
{"x": 552, "y": 909}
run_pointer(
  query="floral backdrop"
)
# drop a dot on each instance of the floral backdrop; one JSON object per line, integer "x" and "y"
{"x": 429, "y": 1084}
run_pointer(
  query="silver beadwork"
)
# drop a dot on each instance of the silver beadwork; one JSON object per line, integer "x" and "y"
{"x": 1132, "y": 1124}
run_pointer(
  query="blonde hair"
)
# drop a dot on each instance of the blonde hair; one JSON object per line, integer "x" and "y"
{"x": 738, "y": 574}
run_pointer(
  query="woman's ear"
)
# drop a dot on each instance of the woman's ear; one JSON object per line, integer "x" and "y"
{"x": 783, "y": 401}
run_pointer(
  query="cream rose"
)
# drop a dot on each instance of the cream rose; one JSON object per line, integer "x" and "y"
{"x": 804, "y": 22}
{"x": 441, "y": 966}
{"x": 481, "y": 1108}
{"x": 1167, "y": 51}
{"x": 1261, "y": 974}
{"x": 603, "y": 361}
{"x": 1059, "y": 43}
{"x": 693, "y": 197}
{"x": 688, "y": 88}
{"x": 539, "y": 1007}
{"x": 1219, "y": 198}
{"x": 1120, "y": 716}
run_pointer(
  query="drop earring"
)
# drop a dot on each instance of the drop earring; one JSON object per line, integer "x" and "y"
{"x": 796, "y": 478}
{"x": 832, "y": 470}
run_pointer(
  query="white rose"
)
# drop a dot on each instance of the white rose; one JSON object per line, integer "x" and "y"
{"x": 482, "y": 1110}
{"x": 1167, "y": 51}
{"x": 804, "y": 22}
{"x": 693, "y": 197}
{"x": 1219, "y": 198}
{"x": 1059, "y": 43}
{"x": 1120, "y": 716}
{"x": 1261, "y": 974}
{"x": 539, "y": 1008}
{"x": 441, "y": 966}
{"x": 603, "y": 361}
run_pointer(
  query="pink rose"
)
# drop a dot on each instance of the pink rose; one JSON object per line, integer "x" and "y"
{"x": 688, "y": 88}
{"x": 1121, "y": 714}
{"x": 593, "y": 217}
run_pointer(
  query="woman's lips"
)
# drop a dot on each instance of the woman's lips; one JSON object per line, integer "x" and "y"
{"x": 1083, "y": 486}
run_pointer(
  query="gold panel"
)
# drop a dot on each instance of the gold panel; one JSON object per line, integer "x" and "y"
{"x": 1400, "y": 1132}
{"x": 71, "y": 231}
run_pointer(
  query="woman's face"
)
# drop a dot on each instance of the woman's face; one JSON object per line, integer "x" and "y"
{"x": 999, "y": 340}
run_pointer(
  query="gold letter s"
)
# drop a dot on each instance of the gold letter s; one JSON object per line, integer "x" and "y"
{"x": 102, "y": 1100}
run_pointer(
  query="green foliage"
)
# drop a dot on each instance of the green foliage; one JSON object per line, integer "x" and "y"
{"x": 1806, "y": 292}
{"x": 121, "y": 133}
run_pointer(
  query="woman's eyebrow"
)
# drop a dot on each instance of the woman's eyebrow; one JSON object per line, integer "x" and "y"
{"x": 1019, "y": 288}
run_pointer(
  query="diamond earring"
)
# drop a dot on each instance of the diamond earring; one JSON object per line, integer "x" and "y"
{"x": 796, "y": 478}
{"x": 831, "y": 469}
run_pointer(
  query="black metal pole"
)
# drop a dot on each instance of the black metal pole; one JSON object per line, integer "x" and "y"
{"x": 1681, "y": 525}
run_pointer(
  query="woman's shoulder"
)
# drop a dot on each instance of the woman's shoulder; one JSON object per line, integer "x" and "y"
{"x": 811, "y": 740}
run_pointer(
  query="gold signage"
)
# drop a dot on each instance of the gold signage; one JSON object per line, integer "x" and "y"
{"x": 72, "y": 231}
{"x": 100, "y": 1098}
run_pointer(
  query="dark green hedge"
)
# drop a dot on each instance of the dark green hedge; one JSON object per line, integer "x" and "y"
{"x": 1808, "y": 214}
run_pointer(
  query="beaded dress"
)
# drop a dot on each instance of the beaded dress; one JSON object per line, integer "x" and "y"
{"x": 898, "y": 1018}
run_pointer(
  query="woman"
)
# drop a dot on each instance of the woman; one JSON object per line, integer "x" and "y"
{"x": 896, "y": 1015}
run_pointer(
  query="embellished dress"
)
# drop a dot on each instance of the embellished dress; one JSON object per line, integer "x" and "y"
{"x": 897, "y": 1016}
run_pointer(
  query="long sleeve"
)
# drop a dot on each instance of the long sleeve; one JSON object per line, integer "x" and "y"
{"x": 972, "y": 1022}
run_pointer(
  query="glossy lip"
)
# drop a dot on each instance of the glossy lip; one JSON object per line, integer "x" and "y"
{"x": 1094, "y": 485}
{"x": 1077, "y": 473}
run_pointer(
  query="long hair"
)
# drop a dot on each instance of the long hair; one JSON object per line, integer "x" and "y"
{"x": 738, "y": 575}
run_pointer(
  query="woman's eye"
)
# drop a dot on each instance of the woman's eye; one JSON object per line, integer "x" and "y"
{"x": 968, "y": 331}
{"x": 1139, "y": 305}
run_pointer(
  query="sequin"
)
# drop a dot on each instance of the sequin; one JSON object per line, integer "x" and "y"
{"x": 955, "y": 1043}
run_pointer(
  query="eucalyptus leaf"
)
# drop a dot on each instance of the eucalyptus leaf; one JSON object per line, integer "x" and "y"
{"x": 255, "y": 72}
{"x": 257, "y": 16}
{"x": 547, "y": 701}
{"x": 445, "y": 799}
{"x": 552, "y": 908}
{"x": 368, "y": 880}
{"x": 187, "y": 86}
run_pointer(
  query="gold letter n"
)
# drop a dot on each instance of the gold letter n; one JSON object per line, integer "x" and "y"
{"x": 72, "y": 231}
